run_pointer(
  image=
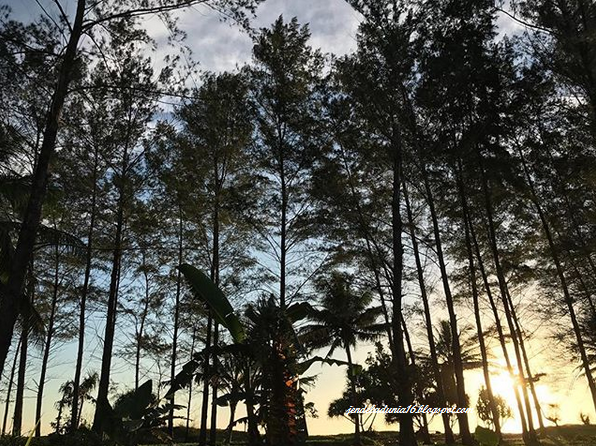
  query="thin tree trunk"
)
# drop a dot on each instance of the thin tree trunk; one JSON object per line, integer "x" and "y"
{"x": 80, "y": 411}
{"x": 424, "y": 428}
{"x": 206, "y": 377}
{"x": 283, "y": 231}
{"x": 176, "y": 324}
{"x": 102, "y": 405}
{"x": 216, "y": 279}
{"x": 408, "y": 340}
{"x": 586, "y": 251}
{"x": 47, "y": 346}
{"x": 9, "y": 389}
{"x": 23, "y": 254}
{"x": 407, "y": 436}
{"x": 364, "y": 228}
{"x": 472, "y": 267}
{"x": 355, "y": 402}
{"x": 253, "y": 431}
{"x": 563, "y": 280}
{"x": 141, "y": 330}
{"x": 231, "y": 423}
{"x": 500, "y": 332}
{"x": 449, "y": 438}
{"x": 522, "y": 346}
{"x": 74, "y": 420}
{"x": 530, "y": 438}
{"x": 188, "y": 407}
{"x": 214, "y": 406}
{"x": 464, "y": 425}
{"x": 17, "y": 420}
{"x": 583, "y": 286}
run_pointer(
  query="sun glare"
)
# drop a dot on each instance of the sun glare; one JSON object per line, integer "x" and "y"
{"x": 503, "y": 386}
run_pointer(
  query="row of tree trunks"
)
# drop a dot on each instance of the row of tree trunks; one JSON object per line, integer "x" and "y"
{"x": 464, "y": 426}
{"x": 530, "y": 437}
{"x": 475, "y": 298}
{"x": 499, "y": 326}
{"x": 449, "y": 438}
{"x": 563, "y": 280}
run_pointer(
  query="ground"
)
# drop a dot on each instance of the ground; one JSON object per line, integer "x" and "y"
{"x": 571, "y": 435}
{"x": 552, "y": 436}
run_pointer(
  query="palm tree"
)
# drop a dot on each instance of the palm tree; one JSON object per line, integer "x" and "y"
{"x": 344, "y": 316}
{"x": 67, "y": 391}
{"x": 470, "y": 357}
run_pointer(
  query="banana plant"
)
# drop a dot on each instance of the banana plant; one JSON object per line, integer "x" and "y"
{"x": 269, "y": 339}
{"x": 137, "y": 412}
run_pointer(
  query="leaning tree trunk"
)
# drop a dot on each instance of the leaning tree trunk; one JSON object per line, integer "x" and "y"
{"x": 9, "y": 305}
{"x": 18, "y": 402}
{"x": 500, "y": 332}
{"x": 563, "y": 280}
{"x": 522, "y": 346}
{"x": 464, "y": 426}
{"x": 47, "y": 346}
{"x": 449, "y": 438}
{"x": 424, "y": 432}
{"x": 530, "y": 438}
{"x": 472, "y": 267}
{"x": 9, "y": 389}
{"x": 17, "y": 420}
{"x": 370, "y": 242}
{"x": 74, "y": 419}
{"x": 141, "y": 330}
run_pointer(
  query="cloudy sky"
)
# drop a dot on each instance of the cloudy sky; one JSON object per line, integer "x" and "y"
{"x": 217, "y": 46}
{"x": 221, "y": 46}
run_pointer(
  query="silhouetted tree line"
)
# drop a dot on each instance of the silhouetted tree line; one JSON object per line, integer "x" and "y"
{"x": 320, "y": 200}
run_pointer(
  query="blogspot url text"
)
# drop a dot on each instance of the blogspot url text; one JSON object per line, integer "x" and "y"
{"x": 412, "y": 408}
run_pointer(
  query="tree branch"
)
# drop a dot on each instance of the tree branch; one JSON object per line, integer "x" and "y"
{"x": 143, "y": 11}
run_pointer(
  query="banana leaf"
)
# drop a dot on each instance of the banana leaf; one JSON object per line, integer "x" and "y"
{"x": 219, "y": 305}
{"x": 305, "y": 365}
